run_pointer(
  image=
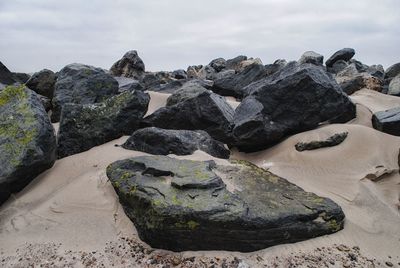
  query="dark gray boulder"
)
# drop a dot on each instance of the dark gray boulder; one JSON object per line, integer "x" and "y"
{"x": 207, "y": 111}
{"x": 394, "y": 86}
{"x": 187, "y": 91}
{"x": 218, "y": 64}
{"x": 179, "y": 74}
{"x": 232, "y": 85}
{"x": 192, "y": 205}
{"x": 234, "y": 63}
{"x": 46, "y": 102}
{"x": 6, "y": 77}
{"x": 333, "y": 140}
{"x": 296, "y": 99}
{"x": 275, "y": 67}
{"x": 344, "y": 54}
{"x": 131, "y": 65}
{"x": 160, "y": 141}
{"x": 154, "y": 79}
{"x": 81, "y": 84}
{"x": 392, "y": 71}
{"x": 376, "y": 71}
{"x": 387, "y": 121}
{"x": 43, "y": 83}
{"x": 21, "y": 78}
{"x": 83, "y": 126}
{"x": 27, "y": 140}
{"x": 312, "y": 57}
{"x": 338, "y": 67}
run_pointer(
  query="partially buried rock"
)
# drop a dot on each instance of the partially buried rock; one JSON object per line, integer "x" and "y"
{"x": 27, "y": 140}
{"x": 192, "y": 205}
{"x": 180, "y": 142}
{"x": 207, "y": 111}
{"x": 344, "y": 54}
{"x": 85, "y": 126}
{"x": 295, "y": 99}
{"x": 333, "y": 140}
{"x": 387, "y": 121}
{"x": 42, "y": 83}
{"x": 131, "y": 65}
{"x": 81, "y": 84}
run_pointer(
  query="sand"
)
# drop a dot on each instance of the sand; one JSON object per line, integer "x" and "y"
{"x": 70, "y": 214}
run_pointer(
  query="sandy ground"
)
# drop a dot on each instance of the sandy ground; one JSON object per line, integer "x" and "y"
{"x": 70, "y": 216}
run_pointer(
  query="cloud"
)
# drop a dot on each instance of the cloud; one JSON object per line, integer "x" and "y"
{"x": 176, "y": 33}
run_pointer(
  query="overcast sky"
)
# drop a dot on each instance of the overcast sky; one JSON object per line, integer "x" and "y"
{"x": 172, "y": 34}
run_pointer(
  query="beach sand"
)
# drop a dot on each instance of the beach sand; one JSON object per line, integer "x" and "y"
{"x": 70, "y": 216}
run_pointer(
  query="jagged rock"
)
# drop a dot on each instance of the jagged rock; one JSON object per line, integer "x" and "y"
{"x": 351, "y": 80}
{"x": 337, "y": 67}
{"x": 218, "y": 64}
{"x": 207, "y": 111}
{"x": 125, "y": 83}
{"x": 233, "y": 84}
{"x": 154, "y": 80}
{"x": 187, "y": 91}
{"x": 376, "y": 71}
{"x": 312, "y": 57}
{"x": 333, "y": 140}
{"x": 344, "y": 54}
{"x": 191, "y": 205}
{"x": 361, "y": 67}
{"x": 192, "y": 71}
{"x": 81, "y": 84}
{"x": 180, "y": 142}
{"x": 21, "y": 77}
{"x": 275, "y": 67}
{"x": 297, "y": 98}
{"x": 394, "y": 86}
{"x": 392, "y": 71}
{"x": 131, "y": 65}
{"x": 242, "y": 65}
{"x": 42, "y": 83}
{"x": 27, "y": 140}
{"x": 46, "y": 102}
{"x": 387, "y": 121}
{"x": 83, "y": 126}
{"x": 234, "y": 63}
{"x": 179, "y": 74}
{"x": 6, "y": 77}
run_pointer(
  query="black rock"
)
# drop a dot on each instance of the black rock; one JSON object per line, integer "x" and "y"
{"x": 179, "y": 74}
{"x": 131, "y": 65}
{"x": 235, "y": 62}
{"x": 83, "y": 126}
{"x": 21, "y": 77}
{"x": 275, "y": 67}
{"x": 191, "y": 205}
{"x": 46, "y": 102}
{"x": 218, "y": 64}
{"x": 43, "y": 83}
{"x": 333, "y": 140}
{"x": 27, "y": 140}
{"x": 338, "y": 67}
{"x": 344, "y": 54}
{"x": 207, "y": 111}
{"x": 180, "y": 142}
{"x": 361, "y": 67}
{"x": 312, "y": 57}
{"x": 130, "y": 84}
{"x": 187, "y": 91}
{"x": 296, "y": 99}
{"x": 376, "y": 71}
{"x": 394, "y": 86}
{"x": 6, "y": 77}
{"x": 232, "y": 85}
{"x": 392, "y": 71}
{"x": 387, "y": 121}
{"x": 155, "y": 79}
{"x": 81, "y": 84}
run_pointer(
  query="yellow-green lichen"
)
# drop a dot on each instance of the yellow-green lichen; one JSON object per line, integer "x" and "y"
{"x": 334, "y": 226}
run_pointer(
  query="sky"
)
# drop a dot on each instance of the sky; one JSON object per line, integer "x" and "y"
{"x": 173, "y": 34}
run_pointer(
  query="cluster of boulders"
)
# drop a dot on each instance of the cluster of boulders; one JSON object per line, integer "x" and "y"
{"x": 94, "y": 106}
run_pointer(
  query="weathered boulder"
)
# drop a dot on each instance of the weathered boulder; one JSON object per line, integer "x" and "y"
{"x": 337, "y": 67}
{"x": 81, "y": 84}
{"x": 21, "y": 78}
{"x": 333, "y": 140}
{"x": 187, "y": 91}
{"x": 218, "y": 64}
{"x": 351, "y": 80}
{"x": 126, "y": 83}
{"x": 392, "y": 71}
{"x": 296, "y": 99}
{"x": 376, "y": 71}
{"x": 83, "y": 126}
{"x": 42, "y": 83}
{"x": 387, "y": 121}
{"x": 207, "y": 111}
{"x": 27, "y": 140}
{"x": 6, "y": 77}
{"x": 394, "y": 86}
{"x": 131, "y": 65}
{"x": 233, "y": 84}
{"x": 275, "y": 67}
{"x": 179, "y": 74}
{"x": 191, "y": 205}
{"x": 312, "y": 57}
{"x": 344, "y": 54}
{"x": 160, "y": 141}
{"x": 154, "y": 79}
{"x": 234, "y": 63}
{"x": 46, "y": 102}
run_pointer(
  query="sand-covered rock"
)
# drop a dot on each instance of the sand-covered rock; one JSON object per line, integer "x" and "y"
{"x": 333, "y": 140}
{"x": 83, "y": 126}
{"x": 180, "y": 142}
{"x": 27, "y": 140}
{"x": 187, "y": 205}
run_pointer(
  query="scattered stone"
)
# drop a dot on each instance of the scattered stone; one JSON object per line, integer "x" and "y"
{"x": 333, "y": 140}
{"x": 312, "y": 57}
{"x": 185, "y": 205}
{"x": 344, "y": 54}
{"x": 387, "y": 121}
{"x": 43, "y": 83}
{"x": 27, "y": 140}
{"x": 117, "y": 116}
{"x": 180, "y": 142}
{"x": 131, "y": 65}
{"x": 389, "y": 264}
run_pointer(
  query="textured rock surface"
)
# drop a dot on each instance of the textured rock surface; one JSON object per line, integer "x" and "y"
{"x": 42, "y": 83}
{"x": 81, "y": 84}
{"x": 394, "y": 86}
{"x": 207, "y": 111}
{"x": 84, "y": 126}
{"x": 131, "y": 65}
{"x": 180, "y": 142}
{"x": 387, "y": 121}
{"x": 27, "y": 140}
{"x": 392, "y": 71}
{"x": 344, "y": 54}
{"x": 185, "y": 205}
{"x": 187, "y": 91}
{"x": 351, "y": 80}
{"x": 311, "y": 57}
{"x": 297, "y": 98}
{"x": 333, "y": 140}
{"x": 6, "y": 77}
